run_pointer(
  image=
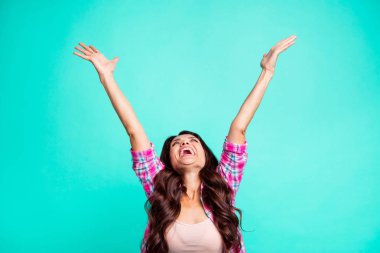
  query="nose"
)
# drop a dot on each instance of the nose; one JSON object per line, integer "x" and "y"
{"x": 185, "y": 142}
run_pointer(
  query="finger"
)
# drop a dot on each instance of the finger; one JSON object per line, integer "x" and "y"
{"x": 83, "y": 51}
{"x": 287, "y": 40}
{"x": 293, "y": 37}
{"x": 86, "y": 47}
{"x": 81, "y": 55}
{"x": 289, "y": 43}
{"x": 284, "y": 47}
{"x": 94, "y": 49}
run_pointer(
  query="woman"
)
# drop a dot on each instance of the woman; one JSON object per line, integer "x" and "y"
{"x": 190, "y": 194}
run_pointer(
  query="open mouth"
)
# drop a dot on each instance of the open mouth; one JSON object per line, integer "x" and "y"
{"x": 186, "y": 152}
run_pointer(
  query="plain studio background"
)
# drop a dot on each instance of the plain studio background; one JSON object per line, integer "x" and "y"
{"x": 311, "y": 183}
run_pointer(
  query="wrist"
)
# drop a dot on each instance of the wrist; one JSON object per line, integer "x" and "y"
{"x": 268, "y": 72}
{"x": 104, "y": 78}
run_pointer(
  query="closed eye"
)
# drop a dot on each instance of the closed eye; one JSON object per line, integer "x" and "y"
{"x": 177, "y": 142}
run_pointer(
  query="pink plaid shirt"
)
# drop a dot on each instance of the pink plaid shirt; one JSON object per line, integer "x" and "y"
{"x": 147, "y": 164}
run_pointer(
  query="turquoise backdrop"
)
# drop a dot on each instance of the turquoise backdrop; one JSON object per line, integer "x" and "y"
{"x": 311, "y": 183}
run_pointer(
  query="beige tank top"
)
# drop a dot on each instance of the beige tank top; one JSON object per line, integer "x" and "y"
{"x": 201, "y": 237}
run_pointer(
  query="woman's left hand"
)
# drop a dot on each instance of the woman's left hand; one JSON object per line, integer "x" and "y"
{"x": 269, "y": 60}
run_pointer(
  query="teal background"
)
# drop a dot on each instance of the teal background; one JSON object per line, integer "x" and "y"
{"x": 312, "y": 179}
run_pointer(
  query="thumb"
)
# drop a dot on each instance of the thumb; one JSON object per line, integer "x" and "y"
{"x": 115, "y": 60}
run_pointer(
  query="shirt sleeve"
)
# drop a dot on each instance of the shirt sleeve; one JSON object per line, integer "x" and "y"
{"x": 146, "y": 165}
{"x": 232, "y": 163}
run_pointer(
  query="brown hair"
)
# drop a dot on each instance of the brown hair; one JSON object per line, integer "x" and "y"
{"x": 164, "y": 206}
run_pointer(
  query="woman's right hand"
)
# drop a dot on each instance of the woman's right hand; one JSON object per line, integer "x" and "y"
{"x": 103, "y": 66}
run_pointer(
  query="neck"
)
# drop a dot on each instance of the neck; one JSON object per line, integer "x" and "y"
{"x": 192, "y": 183}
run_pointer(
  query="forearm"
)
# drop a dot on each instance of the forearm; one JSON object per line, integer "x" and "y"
{"x": 249, "y": 107}
{"x": 127, "y": 116}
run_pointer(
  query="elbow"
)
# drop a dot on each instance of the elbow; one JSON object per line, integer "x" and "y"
{"x": 242, "y": 131}
{"x": 237, "y": 134}
{"x": 238, "y": 128}
{"x": 132, "y": 132}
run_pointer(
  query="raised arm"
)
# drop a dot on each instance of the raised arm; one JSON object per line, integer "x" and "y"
{"x": 105, "y": 68}
{"x": 240, "y": 124}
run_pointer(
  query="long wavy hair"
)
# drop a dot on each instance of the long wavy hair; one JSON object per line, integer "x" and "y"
{"x": 164, "y": 205}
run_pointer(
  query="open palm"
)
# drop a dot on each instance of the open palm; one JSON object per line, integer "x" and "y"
{"x": 102, "y": 65}
{"x": 269, "y": 60}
